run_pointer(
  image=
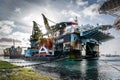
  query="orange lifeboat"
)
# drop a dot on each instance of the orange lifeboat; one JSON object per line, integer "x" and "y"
{"x": 46, "y": 46}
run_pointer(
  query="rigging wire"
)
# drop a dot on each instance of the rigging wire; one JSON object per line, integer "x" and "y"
{"x": 39, "y": 25}
{"x": 51, "y": 21}
{"x": 111, "y": 65}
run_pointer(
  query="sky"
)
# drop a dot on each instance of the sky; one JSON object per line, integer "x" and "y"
{"x": 16, "y": 18}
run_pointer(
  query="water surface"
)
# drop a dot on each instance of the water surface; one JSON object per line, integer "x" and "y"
{"x": 106, "y": 68}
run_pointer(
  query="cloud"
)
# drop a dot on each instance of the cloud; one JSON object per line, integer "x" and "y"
{"x": 6, "y": 27}
{"x": 20, "y": 35}
{"x": 81, "y": 2}
{"x": 23, "y": 37}
{"x": 8, "y": 40}
{"x": 17, "y": 10}
{"x": 110, "y": 47}
{"x": 91, "y": 11}
{"x": 70, "y": 13}
{"x": 20, "y": 38}
{"x": 9, "y": 31}
{"x": 73, "y": 14}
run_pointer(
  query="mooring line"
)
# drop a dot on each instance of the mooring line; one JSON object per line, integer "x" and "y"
{"x": 111, "y": 66}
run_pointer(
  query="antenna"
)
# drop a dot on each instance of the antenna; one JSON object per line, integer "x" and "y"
{"x": 13, "y": 42}
{"x": 76, "y": 19}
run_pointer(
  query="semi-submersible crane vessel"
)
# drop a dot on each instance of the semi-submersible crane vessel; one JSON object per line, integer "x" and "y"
{"x": 67, "y": 39}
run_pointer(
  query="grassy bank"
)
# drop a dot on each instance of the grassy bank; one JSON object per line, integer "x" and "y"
{"x": 19, "y": 74}
{"x": 6, "y": 65}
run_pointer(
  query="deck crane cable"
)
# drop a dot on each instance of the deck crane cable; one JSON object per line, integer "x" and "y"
{"x": 39, "y": 25}
{"x": 93, "y": 34}
{"x": 51, "y": 21}
{"x": 96, "y": 34}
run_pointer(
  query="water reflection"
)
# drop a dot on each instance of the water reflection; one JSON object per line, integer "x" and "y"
{"x": 91, "y": 70}
{"x": 69, "y": 70}
{"x": 72, "y": 70}
{"x": 81, "y": 70}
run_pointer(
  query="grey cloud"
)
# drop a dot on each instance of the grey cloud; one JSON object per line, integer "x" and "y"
{"x": 1, "y": 46}
{"x": 7, "y": 8}
{"x": 6, "y": 27}
{"x": 8, "y": 40}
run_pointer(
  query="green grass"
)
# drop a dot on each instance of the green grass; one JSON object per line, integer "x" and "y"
{"x": 28, "y": 74}
{"x": 6, "y": 65}
{"x": 20, "y": 73}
